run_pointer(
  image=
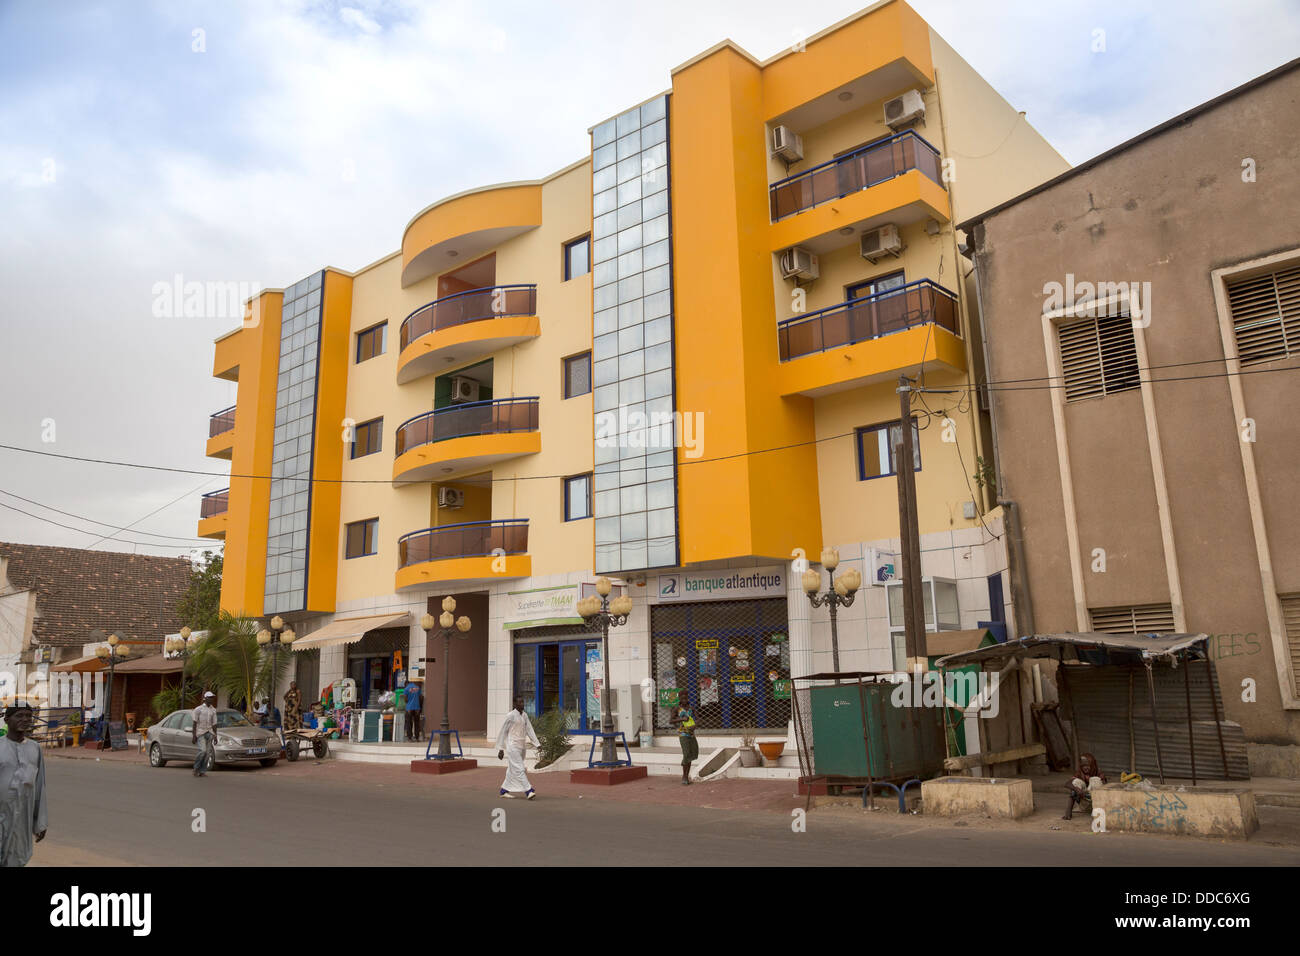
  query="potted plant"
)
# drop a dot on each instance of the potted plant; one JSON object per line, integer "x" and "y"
{"x": 74, "y": 728}
{"x": 748, "y": 752}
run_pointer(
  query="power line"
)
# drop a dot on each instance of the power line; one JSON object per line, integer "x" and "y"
{"x": 151, "y": 514}
{"x": 153, "y": 534}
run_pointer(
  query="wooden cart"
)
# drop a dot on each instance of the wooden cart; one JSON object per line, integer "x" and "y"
{"x": 306, "y": 737}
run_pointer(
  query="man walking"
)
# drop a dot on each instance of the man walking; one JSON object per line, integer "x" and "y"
{"x": 515, "y": 736}
{"x": 413, "y": 709}
{"x": 22, "y": 788}
{"x": 205, "y": 734}
{"x": 684, "y": 720}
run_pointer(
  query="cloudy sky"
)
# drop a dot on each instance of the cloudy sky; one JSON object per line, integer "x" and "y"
{"x": 256, "y": 142}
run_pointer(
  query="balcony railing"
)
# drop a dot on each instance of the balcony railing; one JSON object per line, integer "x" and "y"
{"x": 868, "y": 318}
{"x": 221, "y": 422}
{"x": 493, "y": 302}
{"x": 215, "y": 503}
{"x": 472, "y": 539}
{"x": 473, "y": 418}
{"x": 872, "y": 164}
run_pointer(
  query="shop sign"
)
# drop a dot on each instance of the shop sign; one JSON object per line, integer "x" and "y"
{"x": 781, "y": 689}
{"x": 542, "y": 607}
{"x": 668, "y": 696}
{"x": 706, "y": 642}
{"x": 883, "y": 565}
{"x": 723, "y": 584}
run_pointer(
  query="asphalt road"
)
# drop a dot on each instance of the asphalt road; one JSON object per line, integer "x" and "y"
{"x": 306, "y": 814}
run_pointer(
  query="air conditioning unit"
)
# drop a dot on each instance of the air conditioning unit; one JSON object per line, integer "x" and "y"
{"x": 450, "y": 497}
{"x": 787, "y": 144}
{"x": 464, "y": 389}
{"x": 878, "y": 243}
{"x": 904, "y": 110}
{"x": 798, "y": 263}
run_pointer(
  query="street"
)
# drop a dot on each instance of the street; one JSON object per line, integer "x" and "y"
{"x": 122, "y": 812}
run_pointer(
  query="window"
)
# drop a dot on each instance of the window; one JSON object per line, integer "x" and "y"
{"x": 367, "y": 438}
{"x": 1098, "y": 357}
{"x": 361, "y": 538}
{"x": 1266, "y": 315}
{"x": 1138, "y": 619}
{"x": 876, "y": 449}
{"x": 577, "y": 375}
{"x": 577, "y": 497}
{"x": 1291, "y": 623}
{"x": 373, "y": 341}
{"x": 577, "y": 258}
{"x": 868, "y": 287}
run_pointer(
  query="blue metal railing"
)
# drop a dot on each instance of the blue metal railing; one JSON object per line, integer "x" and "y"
{"x": 868, "y": 166}
{"x": 473, "y": 305}
{"x": 492, "y": 417}
{"x": 869, "y": 317}
{"x": 469, "y": 539}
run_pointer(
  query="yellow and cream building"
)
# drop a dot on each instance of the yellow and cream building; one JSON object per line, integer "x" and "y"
{"x": 673, "y": 363}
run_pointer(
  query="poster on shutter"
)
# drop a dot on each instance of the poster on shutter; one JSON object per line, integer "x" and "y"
{"x": 743, "y": 690}
{"x": 708, "y": 663}
{"x": 668, "y": 696}
{"x": 708, "y": 691}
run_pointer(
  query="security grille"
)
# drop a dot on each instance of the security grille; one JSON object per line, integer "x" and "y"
{"x": 1138, "y": 619}
{"x": 729, "y": 659}
{"x": 1291, "y": 620}
{"x": 1098, "y": 357}
{"x": 1266, "y": 315}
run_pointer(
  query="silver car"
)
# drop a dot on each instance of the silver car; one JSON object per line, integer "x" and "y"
{"x": 237, "y": 740}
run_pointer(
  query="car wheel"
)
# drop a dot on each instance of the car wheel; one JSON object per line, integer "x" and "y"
{"x": 268, "y": 762}
{"x": 156, "y": 757}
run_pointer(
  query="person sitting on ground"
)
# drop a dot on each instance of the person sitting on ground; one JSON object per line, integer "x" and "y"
{"x": 1088, "y": 777}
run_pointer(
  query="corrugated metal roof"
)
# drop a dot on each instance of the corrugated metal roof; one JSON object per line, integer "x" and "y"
{"x": 1052, "y": 645}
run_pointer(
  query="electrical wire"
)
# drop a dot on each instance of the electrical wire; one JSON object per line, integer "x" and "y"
{"x": 69, "y": 514}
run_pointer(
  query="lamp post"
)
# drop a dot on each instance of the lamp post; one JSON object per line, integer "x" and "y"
{"x": 278, "y": 634}
{"x": 448, "y": 623}
{"x": 180, "y": 647}
{"x": 601, "y": 614}
{"x": 840, "y": 594}
{"x": 112, "y": 652}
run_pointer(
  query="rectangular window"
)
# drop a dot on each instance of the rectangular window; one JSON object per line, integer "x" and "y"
{"x": 577, "y": 258}
{"x": 868, "y": 287}
{"x": 1098, "y": 357}
{"x": 577, "y": 375}
{"x": 876, "y": 449}
{"x": 361, "y": 538}
{"x": 1291, "y": 623}
{"x": 373, "y": 341}
{"x": 1266, "y": 315}
{"x": 577, "y": 497}
{"x": 367, "y": 438}
{"x": 1137, "y": 619}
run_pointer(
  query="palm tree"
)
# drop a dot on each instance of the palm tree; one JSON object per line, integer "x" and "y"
{"x": 229, "y": 658}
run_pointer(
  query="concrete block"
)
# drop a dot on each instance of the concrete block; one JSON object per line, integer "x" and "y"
{"x": 607, "y": 776}
{"x": 1224, "y": 812}
{"x": 1274, "y": 760}
{"x": 442, "y": 766}
{"x": 1010, "y": 797}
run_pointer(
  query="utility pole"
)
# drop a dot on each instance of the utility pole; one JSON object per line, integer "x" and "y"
{"x": 909, "y": 533}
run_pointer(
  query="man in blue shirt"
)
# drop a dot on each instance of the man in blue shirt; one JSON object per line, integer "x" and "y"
{"x": 413, "y": 709}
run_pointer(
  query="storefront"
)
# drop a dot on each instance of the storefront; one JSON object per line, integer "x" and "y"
{"x": 378, "y": 662}
{"x": 720, "y": 640}
{"x": 556, "y": 660}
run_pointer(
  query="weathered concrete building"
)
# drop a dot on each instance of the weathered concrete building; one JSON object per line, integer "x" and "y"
{"x": 1142, "y": 337}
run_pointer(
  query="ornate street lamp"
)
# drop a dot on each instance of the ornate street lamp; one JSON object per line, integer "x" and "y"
{"x": 601, "y": 614}
{"x": 180, "y": 647}
{"x": 112, "y": 652}
{"x": 277, "y": 635}
{"x": 840, "y": 594}
{"x": 448, "y": 623}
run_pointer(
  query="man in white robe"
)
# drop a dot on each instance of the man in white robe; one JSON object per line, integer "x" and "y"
{"x": 515, "y": 736}
{"x": 23, "y": 811}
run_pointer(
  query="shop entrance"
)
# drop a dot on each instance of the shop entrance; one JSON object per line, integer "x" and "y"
{"x": 729, "y": 659}
{"x": 376, "y": 662}
{"x": 561, "y": 675}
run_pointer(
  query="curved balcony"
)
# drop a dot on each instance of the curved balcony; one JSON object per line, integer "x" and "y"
{"x": 472, "y": 552}
{"x": 462, "y": 227}
{"x": 213, "y": 512}
{"x": 465, "y": 438}
{"x": 465, "y": 326}
{"x": 221, "y": 433}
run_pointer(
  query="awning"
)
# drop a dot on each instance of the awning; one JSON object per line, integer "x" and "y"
{"x": 157, "y": 664}
{"x": 347, "y": 630}
{"x": 939, "y": 643}
{"x": 87, "y": 664}
{"x": 1053, "y": 645}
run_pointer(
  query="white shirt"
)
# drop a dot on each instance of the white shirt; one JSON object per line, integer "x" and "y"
{"x": 516, "y": 729}
{"x": 205, "y": 718}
